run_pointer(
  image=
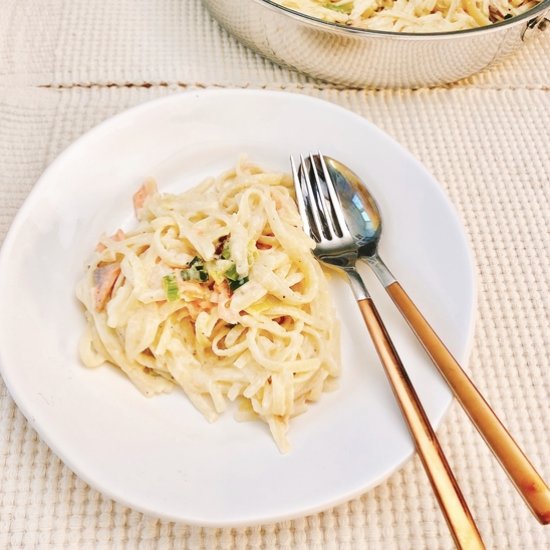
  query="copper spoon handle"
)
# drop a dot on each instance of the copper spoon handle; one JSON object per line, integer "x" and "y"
{"x": 522, "y": 473}
{"x": 451, "y": 500}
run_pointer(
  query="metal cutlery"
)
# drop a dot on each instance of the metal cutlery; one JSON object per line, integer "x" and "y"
{"x": 324, "y": 220}
{"x": 365, "y": 222}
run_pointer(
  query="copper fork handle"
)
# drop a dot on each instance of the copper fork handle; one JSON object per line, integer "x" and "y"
{"x": 451, "y": 500}
{"x": 528, "y": 482}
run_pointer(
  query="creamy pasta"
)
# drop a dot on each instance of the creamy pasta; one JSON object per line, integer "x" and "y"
{"x": 417, "y": 16}
{"x": 216, "y": 291}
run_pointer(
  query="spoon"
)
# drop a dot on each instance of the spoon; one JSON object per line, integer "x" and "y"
{"x": 365, "y": 223}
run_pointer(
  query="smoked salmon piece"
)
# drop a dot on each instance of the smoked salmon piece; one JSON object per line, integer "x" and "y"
{"x": 104, "y": 280}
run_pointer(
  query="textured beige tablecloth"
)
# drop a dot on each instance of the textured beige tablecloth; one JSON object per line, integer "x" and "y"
{"x": 67, "y": 65}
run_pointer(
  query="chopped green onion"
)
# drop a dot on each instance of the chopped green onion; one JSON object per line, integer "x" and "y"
{"x": 194, "y": 274}
{"x": 171, "y": 287}
{"x": 346, "y": 8}
{"x": 232, "y": 274}
{"x": 196, "y": 271}
{"x": 234, "y": 279}
{"x": 226, "y": 253}
{"x": 234, "y": 285}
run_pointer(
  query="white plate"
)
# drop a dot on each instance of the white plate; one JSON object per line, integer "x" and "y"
{"x": 159, "y": 455}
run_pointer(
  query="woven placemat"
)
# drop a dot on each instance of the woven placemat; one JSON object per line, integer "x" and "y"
{"x": 488, "y": 149}
{"x": 94, "y": 42}
{"x": 485, "y": 139}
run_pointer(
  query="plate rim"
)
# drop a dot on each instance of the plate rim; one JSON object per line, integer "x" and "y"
{"x": 42, "y": 431}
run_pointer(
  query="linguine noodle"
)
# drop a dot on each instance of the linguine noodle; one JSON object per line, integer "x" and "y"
{"x": 216, "y": 291}
{"x": 416, "y": 16}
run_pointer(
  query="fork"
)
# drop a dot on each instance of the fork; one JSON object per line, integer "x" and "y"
{"x": 323, "y": 219}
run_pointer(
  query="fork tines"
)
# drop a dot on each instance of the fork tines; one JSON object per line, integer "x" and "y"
{"x": 318, "y": 201}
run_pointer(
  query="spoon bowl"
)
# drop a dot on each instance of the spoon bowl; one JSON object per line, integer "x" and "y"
{"x": 361, "y": 211}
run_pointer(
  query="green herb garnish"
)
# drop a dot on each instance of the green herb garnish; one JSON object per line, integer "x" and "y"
{"x": 226, "y": 253}
{"x": 234, "y": 285}
{"x": 234, "y": 280}
{"x": 196, "y": 271}
{"x": 345, "y": 8}
{"x": 232, "y": 274}
{"x": 171, "y": 287}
